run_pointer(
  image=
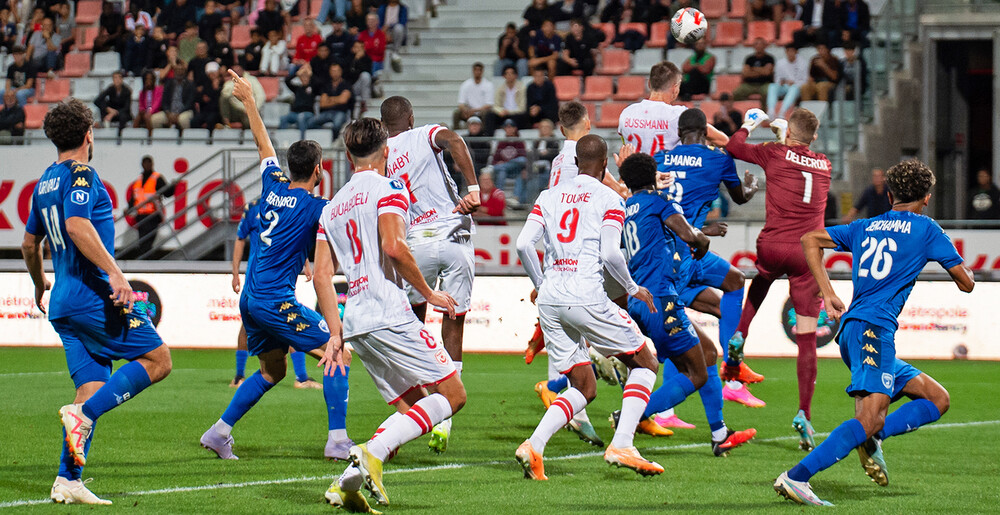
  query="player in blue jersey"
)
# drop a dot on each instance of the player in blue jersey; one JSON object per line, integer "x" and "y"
{"x": 273, "y": 317}
{"x": 91, "y": 306}
{"x": 710, "y": 285}
{"x": 894, "y": 248}
{"x": 655, "y": 228}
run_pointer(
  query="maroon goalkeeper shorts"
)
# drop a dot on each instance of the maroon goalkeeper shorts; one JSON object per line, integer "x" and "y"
{"x": 777, "y": 259}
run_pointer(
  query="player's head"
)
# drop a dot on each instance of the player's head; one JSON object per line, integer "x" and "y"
{"x": 592, "y": 156}
{"x": 147, "y": 163}
{"x": 304, "y": 158}
{"x": 665, "y": 78}
{"x": 802, "y": 127}
{"x": 397, "y": 114}
{"x": 638, "y": 171}
{"x": 910, "y": 181}
{"x": 573, "y": 118}
{"x": 365, "y": 139}
{"x": 68, "y": 125}
{"x": 692, "y": 127}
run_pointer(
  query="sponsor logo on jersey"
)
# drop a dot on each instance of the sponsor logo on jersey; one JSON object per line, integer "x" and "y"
{"x": 868, "y": 348}
{"x": 80, "y": 197}
{"x": 429, "y": 216}
{"x": 133, "y": 323}
{"x": 49, "y": 185}
{"x": 281, "y": 201}
{"x": 870, "y": 362}
{"x": 565, "y": 265}
{"x": 889, "y": 225}
{"x": 870, "y": 334}
{"x": 291, "y": 317}
{"x": 808, "y": 162}
{"x": 682, "y": 160}
{"x": 357, "y": 286}
{"x": 396, "y": 165}
{"x": 349, "y": 204}
{"x": 80, "y": 168}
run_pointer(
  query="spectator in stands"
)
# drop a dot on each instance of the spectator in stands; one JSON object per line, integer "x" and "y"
{"x": 187, "y": 42}
{"x": 178, "y": 100}
{"x": 220, "y": 51}
{"x": 765, "y": 10}
{"x": 158, "y": 45}
{"x": 509, "y": 101}
{"x": 392, "y": 17}
{"x": 340, "y": 41}
{"x": 579, "y": 51}
{"x": 375, "y": 43}
{"x": 541, "y": 98}
{"x": 510, "y": 53}
{"x": 824, "y": 74}
{"x": 66, "y": 28}
{"x": 198, "y": 62}
{"x": 358, "y": 70}
{"x": 11, "y": 117}
{"x": 175, "y": 16}
{"x": 145, "y": 200}
{"x": 206, "y": 104}
{"x": 112, "y": 29}
{"x": 698, "y": 71}
{"x": 790, "y": 74}
{"x": 44, "y": 46}
{"x": 20, "y": 77}
{"x": 339, "y": 9}
{"x": 172, "y": 60}
{"x": 210, "y": 21}
{"x": 545, "y": 47}
{"x": 855, "y": 70}
{"x": 335, "y": 102}
{"x": 478, "y": 143}
{"x": 612, "y": 11}
{"x": 873, "y": 201}
{"x": 546, "y": 148}
{"x": 820, "y": 20}
{"x": 727, "y": 119}
{"x": 8, "y": 29}
{"x": 492, "y": 203}
{"x": 357, "y": 17}
{"x": 253, "y": 52}
{"x": 137, "y": 52}
{"x": 855, "y": 21}
{"x": 150, "y": 101}
{"x": 303, "y": 105}
{"x": 510, "y": 159}
{"x": 305, "y": 46}
{"x": 564, "y": 11}
{"x": 475, "y": 98}
{"x": 270, "y": 18}
{"x": 274, "y": 56}
{"x": 115, "y": 103}
{"x": 231, "y": 110}
{"x": 984, "y": 197}
{"x": 136, "y": 16}
{"x": 320, "y": 64}
{"x": 758, "y": 72}
{"x": 536, "y": 14}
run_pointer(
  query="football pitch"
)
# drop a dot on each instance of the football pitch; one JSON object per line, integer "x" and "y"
{"x": 146, "y": 457}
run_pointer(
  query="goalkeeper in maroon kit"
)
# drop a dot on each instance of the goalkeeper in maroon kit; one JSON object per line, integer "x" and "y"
{"x": 798, "y": 180}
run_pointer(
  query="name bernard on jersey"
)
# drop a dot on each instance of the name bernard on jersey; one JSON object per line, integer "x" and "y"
{"x": 281, "y": 201}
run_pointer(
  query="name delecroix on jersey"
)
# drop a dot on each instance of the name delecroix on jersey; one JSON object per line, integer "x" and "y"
{"x": 808, "y": 162}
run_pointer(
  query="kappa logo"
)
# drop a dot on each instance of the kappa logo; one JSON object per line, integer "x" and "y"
{"x": 284, "y": 306}
{"x": 135, "y": 322}
{"x": 669, "y": 306}
{"x": 80, "y": 168}
{"x": 301, "y": 327}
{"x": 671, "y": 320}
{"x": 675, "y": 331}
{"x": 868, "y": 348}
{"x": 677, "y": 257}
{"x": 291, "y": 316}
{"x": 80, "y": 197}
{"x": 887, "y": 380}
{"x": 81, "y": 182}
{"x": 870, "y": 362}
{"x": 870, "y": 334}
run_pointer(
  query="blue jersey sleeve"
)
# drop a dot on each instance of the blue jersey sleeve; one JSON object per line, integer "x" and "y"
{"x": 243, "y": 230}
{"x": 270, "y": 172}
{"x": 34, "y": 224}
{"x": 730, "y": 177}
{"x": 841, "y": 235}
{"x": 81, "y": 196}
{"x": 941, "y": 249}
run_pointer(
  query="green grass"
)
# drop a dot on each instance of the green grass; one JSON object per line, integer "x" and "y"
{"x": 151, "y": 444}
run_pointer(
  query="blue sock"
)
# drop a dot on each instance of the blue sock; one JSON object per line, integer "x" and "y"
{"x": 130, "y": 379}
{"x": 836, "y": 447}
{"x": 558, "y": 384}
{"x": 731, "y": 308}
{"x": 246, "y": 396}
{"x": 335, "y": 392}
{"x": 299, "y": 364}
{"x": 711, "y": 398}
{"x": 673, "y": 390}
{"x": 67, "y": 467}
{"x": 909, "y": 417}
{"x": 241, "y": 362}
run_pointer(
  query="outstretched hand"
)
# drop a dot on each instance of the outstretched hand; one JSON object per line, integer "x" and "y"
{"x": 242, "y": 90}
{"x": 623, "y": 153}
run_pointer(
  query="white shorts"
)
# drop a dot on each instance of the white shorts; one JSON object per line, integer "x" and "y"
{"x": 447, "y": 265}
{"x": 608, "y": 328}
{"x": 402, "y": 358}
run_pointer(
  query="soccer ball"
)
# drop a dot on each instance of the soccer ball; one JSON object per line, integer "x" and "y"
{"x": 688, "y": 25}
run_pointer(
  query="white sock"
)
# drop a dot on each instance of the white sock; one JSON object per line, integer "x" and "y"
{"x": 734, "y": 385}
{"x": 351, "y": 479}
{"x": 223, "y": 428}
{"x": 581, "y": 416}
{"x": 666, "y": 413}
{"x": 458, "y": 367}
{"x": 392, "y": 419}
{"x": 635, "y": 397}
{"x": 558, "y": 415}
{"x": 720, "y": 434}
{"x": 338, "y": 435}
{"x": 418, "y": 420}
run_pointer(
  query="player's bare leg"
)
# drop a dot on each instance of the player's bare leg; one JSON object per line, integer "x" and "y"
{"x": 420, "y": 310}
{"x": 805, "y": 367}
{"x": 642, "y": 367}
{"x": 241, "y": 358}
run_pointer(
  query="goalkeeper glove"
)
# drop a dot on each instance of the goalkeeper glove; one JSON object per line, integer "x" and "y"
{"x": 753, "y": 118}
{"x": 780, "y": 129}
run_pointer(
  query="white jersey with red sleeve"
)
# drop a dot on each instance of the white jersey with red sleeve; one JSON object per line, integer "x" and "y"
{"x": 650, "y": 125}
{"x": 564, "y": 164}
{"x": 415, "y": 159}
{"x": 349, "y": 224}
{"x": 572, "y": 214}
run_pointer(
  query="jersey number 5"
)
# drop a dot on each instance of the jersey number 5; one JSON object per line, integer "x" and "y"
{"x": 568, "y": 225}
{"x": 882, "y": 262}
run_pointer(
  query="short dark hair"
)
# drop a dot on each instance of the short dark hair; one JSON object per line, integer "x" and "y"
{"x": 571, "y": 114}
{"x": 850, "y": 45}
{"x": 477, "y": 64}
{"x": 508, "y": 67}
{"x": 638, "y": 171}
{"x": 67, "y": 124}
{"x": 663, "y": 75}
{"x": 303, "y": 156}
{"x": 792, "y": 46}
{"x": 590, "y": 149}
{"x": 909, "y": 180}
{"x": 510, "y": 25}
{"x": 395, "y": 110}
{"x": 692, "y": 119}
{"x": 364, "y": 136}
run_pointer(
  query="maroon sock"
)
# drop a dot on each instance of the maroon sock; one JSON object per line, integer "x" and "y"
{"x": 755, "y": 297}
{"x": 806, "y": 370}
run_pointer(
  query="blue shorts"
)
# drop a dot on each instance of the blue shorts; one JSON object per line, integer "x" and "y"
{"x": 94, "y": 340}
{"x": 698, "y": 274}
{"x": 870, "y": 352}
{"x": 281, "y": 323}
{"x": 669, "y": 328}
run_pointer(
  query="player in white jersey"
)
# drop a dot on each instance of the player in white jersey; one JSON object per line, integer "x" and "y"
{"x": 581, "y": 221}
{"x": 364, "y": 230}
{"x": 651, "y": 124}
{"x": 441, "y": 228}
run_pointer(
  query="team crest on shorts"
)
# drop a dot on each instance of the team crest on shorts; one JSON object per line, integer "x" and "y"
{"x": 441, "y": 356}
{"x": 323, "y": 327}
{"x": 887, "y": 380}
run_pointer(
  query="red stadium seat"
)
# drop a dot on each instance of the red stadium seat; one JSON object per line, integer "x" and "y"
{"x": 658, "y": 35}
{"x": 55, "y": 91}
{"x": 744, "y": 105}
{"x": 631, "y": 88}
{"x": 85, "y": 38}
{"x": 88, "y": 12}
{"x": 710, "y": 108}
{"x": 760, "y": 29}
{"x": 738, "y": 9}
{"x": 567, "y": 87}
{"x": 76, "y": 65}
{"x": 597, "y": 87}
{"x": 297, "y": 30}
{"x": 314, "y": 7}
{"x": 609, "y": 33}
{"x": 34, "y": 115}
{"x": 591, "y": 111}
{"x": 726, "y": 84}
{"x": 610, "y": 111}
{"x": 788, "y": 28}
{"x": 715, "y": 8}
{"x": 614, "y": 62}
{"x": 271, "y": 87}
{"x": 728, "y": 33}
{"x": 240, "y": 36}
{"x": 638, "y": 27}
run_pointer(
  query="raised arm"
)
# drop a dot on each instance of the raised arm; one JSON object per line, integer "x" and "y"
{"x": 449, "y": 139}
{"x": 244, "y": 93}
{"x": 326, "y": 295}
{"x": 744, "y": 192}
{"x": 392, "y": 233}
{"x": 813, "y": 244}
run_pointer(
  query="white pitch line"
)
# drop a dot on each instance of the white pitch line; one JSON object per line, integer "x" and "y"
{"x": 65, "y": 372}
{"x": 449, "y": 466}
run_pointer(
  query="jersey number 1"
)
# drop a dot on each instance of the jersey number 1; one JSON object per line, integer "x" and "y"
{"x": 568, "y": 224}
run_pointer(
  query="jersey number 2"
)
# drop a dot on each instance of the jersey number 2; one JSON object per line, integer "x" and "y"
{"x": 658, "y": 143}
{"x": 352, "y": 234}
{"x": 567, "y": 225}
{"x": 265, "y": 236}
